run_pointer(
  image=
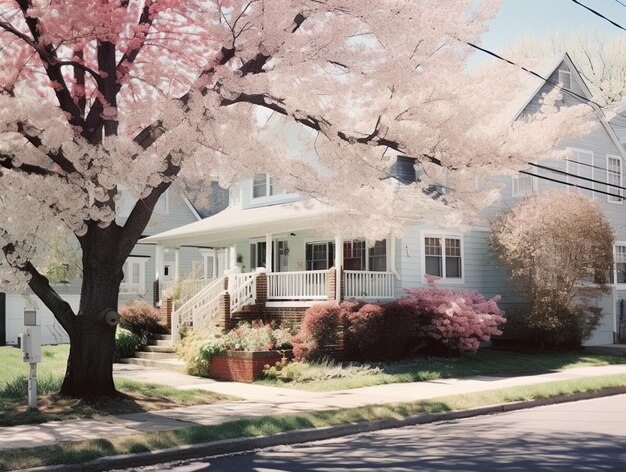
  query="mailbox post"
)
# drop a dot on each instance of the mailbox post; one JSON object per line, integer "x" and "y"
{"x": 31, "y": 347}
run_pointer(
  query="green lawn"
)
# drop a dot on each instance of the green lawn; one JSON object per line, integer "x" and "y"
{"x": 136, "y": 397}
{"x": 484, "y": 362}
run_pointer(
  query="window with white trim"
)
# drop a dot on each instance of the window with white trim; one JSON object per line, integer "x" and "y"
{"x": 580, "y": 167}
{"x": 565, "y": 79}
{"x": 134, "y": 275}
{"x": 320, "y": 256}
{"x": 523, "y": 185}
{"x": 263, "y": 185}
{"x": 443, "y": 256}
{"x": 614, "y": 179}
{"x": 620, "y": 263}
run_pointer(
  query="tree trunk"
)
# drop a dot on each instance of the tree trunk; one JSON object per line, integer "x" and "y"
{"x": 89, "y": 371}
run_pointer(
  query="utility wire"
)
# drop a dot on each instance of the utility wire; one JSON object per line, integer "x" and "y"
{"x": 600, "y": 14}
{"x": 572, "y": 185}
{"x": 580, "y": 177}
{"x": 621, "y": 3}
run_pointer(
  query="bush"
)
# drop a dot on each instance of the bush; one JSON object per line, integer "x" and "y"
{"x": 559, "y": 248}
{"x": 364, "y": 331}
{"x": 319, "y": 333}
{"x": 403, "y": 329}
{"x": 300, "y": 371}
{"x": 126, "y": 342}
{"x": 189, "y": 349}
{"x": 142, "y": 319}
{"x": 456, "y": 320}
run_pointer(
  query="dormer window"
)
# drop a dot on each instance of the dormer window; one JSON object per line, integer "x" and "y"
{"x": 263, "y": 186}
{"x": 565, "y": 79}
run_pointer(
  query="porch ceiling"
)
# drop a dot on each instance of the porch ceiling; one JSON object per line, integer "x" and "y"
{"x": 235, "y": 223}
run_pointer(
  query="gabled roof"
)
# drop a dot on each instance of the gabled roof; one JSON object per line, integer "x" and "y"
{"x": 531, "y": 85}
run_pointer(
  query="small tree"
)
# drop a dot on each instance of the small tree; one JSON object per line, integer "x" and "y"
{"x": 560, "y": 247}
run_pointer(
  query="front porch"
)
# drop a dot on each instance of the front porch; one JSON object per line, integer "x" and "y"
{"x": 260, "y": 260}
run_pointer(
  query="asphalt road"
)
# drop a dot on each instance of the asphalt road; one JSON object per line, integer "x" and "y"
{"x": 582, "y": 436}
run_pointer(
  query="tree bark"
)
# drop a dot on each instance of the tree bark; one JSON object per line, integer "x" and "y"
{"x": 89, "y": 371}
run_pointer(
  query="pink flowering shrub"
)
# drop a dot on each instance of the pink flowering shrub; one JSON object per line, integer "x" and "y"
{"x": 319, "y": 332}
{"x": 256, "y": 336}
{"x": 141, "y": 318}
{"x": 458, "y": 319}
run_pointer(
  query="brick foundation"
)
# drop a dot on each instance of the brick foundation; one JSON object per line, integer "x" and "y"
{"x": 166, "y": 312}
{"x": 241, "y": 366}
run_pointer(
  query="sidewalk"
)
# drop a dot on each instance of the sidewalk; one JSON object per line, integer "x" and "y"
{"x": 260, "y": 401}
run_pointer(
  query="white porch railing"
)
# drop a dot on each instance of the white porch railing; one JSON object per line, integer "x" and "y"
{"x": 366, "y": 284}
{"x": 304, "y": 285}
{"x": 242, "y": 289}
{"x": 201, "y": 310}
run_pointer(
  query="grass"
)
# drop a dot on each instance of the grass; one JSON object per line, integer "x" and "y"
{"x": 81, "y": 451}
{"x": 484, "y": 362}
{"x": 137, "y": 397}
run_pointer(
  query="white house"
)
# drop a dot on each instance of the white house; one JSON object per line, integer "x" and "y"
{"x": 266, "y": 228}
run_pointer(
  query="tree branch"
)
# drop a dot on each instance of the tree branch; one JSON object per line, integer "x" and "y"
{"x": 40, "y": 285}
{"x": 6, "y": 162}
{"x": 141, "y": 213}
{"x": 56, "y": 156}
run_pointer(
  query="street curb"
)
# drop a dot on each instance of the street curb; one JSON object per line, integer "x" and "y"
{"x": 230, "y": 446}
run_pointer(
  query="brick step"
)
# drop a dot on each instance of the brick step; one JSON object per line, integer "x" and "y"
{"x": 175, "y": 365}
{"x": 246, "y": 309}
{"x": 154, "y": 355}
{"x": 168, "y": 348}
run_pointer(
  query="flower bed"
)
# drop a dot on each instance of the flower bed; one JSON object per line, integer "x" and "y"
{"x": 242, "y": 366}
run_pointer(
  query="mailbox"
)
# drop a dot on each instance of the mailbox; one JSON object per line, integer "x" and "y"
{"x": 30, "y": 342}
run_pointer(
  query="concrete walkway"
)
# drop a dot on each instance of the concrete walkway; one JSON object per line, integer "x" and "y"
{"x": 260, "y": 401}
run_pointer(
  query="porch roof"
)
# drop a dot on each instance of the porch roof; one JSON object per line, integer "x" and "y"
{"x": 235, "y": 223}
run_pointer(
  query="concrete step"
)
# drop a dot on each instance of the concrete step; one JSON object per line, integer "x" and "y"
{"x": 154, "y": 355}
{"x": 175, "y": 365}
{"x": 162, "y": 337}
{"x": 166, "y": 348}
{"x": 159, "y": 342}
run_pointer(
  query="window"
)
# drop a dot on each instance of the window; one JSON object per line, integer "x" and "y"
{"x": 620, "y": 263}
{"x": 263, "y": 186}
{"x": 565, "y": 79}
{"x": 443, "y": 257}
{"x": 614, "y": 179}
{"x": 134, "y": 275}
{"x": 523, "y": 185}
{"x": 579, "y": 168}
{"x": 354, "y": 255}
{"x": 320, "y": 256}
{"x": 378, "y": 256}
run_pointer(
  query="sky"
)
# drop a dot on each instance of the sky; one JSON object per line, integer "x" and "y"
{"x": 538, "y": 17}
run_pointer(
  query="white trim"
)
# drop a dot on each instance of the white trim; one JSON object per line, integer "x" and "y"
{"x": 516, "y": 178}
{"x": 191, "y": 208}
{"x": 618, "y": 286}
{"x": 580, "y": 163}
{"x": 442, "y": 235}
{"x": 620, "y": 198}
{"x": 302, "y": 304}
{"x": 166, "y": 203}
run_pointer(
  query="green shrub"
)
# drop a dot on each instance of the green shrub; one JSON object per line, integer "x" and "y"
{"x": 189, "y": 349}
{"x": 126, "y": 342}
{"x": 142, "y": 319}
{"x": 301, "y": 371}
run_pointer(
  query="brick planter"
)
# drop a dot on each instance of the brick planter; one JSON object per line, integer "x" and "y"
{"x": 242, "y": 366}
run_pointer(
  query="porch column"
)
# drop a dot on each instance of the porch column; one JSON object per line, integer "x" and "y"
{"x": 158, "y": 266}
{"x": 338, "y": 267}
{"x": 176, "y": 264}
{"x": 268, "y": 252}
{"x": 232, "y": 256}
{"x": 215, "y": 274}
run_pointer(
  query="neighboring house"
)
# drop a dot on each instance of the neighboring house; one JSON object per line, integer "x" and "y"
{"x": 264, "y": 228}
{"x": 173, "y": 210}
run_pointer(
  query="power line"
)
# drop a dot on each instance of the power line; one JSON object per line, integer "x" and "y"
{"x": 600, "y": 14}
{"x": 621, "y": 3}
{"x": 580, "y": 177}
{"x": 571, "y": 184}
